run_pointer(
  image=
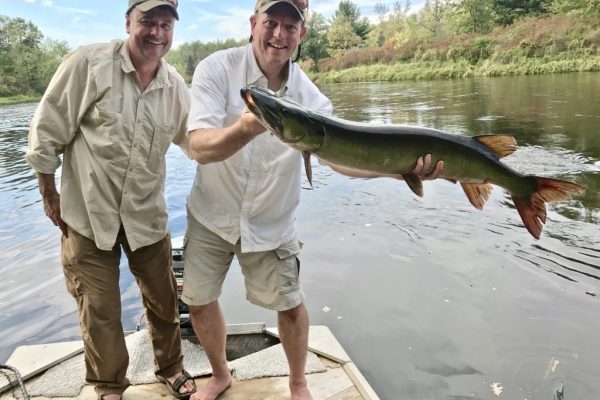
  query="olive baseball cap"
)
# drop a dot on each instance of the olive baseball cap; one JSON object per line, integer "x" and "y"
{"x": 147, "y": 5}
{"x": 301, "y": 6}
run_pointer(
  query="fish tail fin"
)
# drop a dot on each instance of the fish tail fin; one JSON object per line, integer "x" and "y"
{"x": 477, "y": 193}
{"x": 501, "y": 145}
{"x": 532, "y": 209}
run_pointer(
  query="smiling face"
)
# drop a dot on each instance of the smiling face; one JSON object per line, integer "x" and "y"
{"x": 276, "y": 34}
{"x": 150, "y": 34}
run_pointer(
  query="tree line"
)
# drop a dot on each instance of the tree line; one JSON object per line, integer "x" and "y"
{"x": 442, "y": 30}
{"x": 27, "y": 59}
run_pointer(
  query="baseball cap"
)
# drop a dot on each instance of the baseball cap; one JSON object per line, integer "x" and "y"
{"x": 301, "y": 6}
{"x": 147, "y": 5}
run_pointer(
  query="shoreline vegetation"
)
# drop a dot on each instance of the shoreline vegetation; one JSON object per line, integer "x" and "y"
{"x": 444, "y": 40}
{"x": 4, "y": 101}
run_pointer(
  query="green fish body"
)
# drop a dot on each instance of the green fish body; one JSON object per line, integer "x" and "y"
{"x": 394, "y": 149}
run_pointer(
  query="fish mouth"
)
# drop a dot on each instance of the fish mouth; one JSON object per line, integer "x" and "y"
{"x": 259, "y": 102}
{"x": 247, "y": 96}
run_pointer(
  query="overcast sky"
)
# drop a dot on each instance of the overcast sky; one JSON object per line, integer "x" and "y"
{"x": 89, "y": 21}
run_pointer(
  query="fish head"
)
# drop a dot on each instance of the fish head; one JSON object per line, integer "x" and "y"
{"x": 283, "y": 117}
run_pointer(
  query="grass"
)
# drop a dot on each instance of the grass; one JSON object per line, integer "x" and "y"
{"x": 18, "y": 99}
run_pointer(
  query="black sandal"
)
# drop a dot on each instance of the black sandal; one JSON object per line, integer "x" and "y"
{"x": 179, "y": 382}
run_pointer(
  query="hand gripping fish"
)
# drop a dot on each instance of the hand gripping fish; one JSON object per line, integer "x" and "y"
{"x": 393, "y": 149}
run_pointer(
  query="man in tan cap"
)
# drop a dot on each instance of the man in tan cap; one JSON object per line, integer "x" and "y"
{"x": 244, "y": 199}
{"x": 112, "y": 110}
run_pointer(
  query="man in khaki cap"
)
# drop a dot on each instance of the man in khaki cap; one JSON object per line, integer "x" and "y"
{"x": 247, "y": 188}
{"x": 112, "y": 110}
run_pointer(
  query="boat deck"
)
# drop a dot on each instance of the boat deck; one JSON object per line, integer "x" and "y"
{"x": 341, "y": 379}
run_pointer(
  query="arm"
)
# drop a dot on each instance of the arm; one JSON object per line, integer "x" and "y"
{"x": 217, "y": 144}
{"x": 51, "y": 199}
{"x": 423, "y": 170}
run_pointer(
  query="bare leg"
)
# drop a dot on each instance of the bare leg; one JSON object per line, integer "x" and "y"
{"x": 293, "y": 331}
{"x": 209, "y": 326}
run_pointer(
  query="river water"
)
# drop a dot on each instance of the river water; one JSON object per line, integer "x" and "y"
{"x": 431, "y": 298}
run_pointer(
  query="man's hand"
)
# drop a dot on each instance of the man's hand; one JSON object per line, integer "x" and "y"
{"x": 424, "y": 165}
{"x": 250, "y": 124}
{"x": 51, "y": 201}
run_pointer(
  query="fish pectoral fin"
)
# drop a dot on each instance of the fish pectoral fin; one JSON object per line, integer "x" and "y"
{"x": 414, "y": 183}
{"x": 477, "y": 193}
{"x": 501, "y": 145}
{"x": 307, "y": 166}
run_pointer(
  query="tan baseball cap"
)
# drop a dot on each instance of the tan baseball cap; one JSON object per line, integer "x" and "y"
{"x": 301, "y": 6}
{"x": 147, "y": 5}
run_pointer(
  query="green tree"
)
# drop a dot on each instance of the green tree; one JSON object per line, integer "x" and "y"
{"x": 314, "y": 44}
{"x": 20, "y": 42}
{"x": 341, "y": 36}
{"x": 509, "y": 10}
{"x": 432, "y": 16}
{"x": 473, "y": 16}
{"x": 350, "y": 12}
{"x": 569, "y": 6}
{"x": 53, "y": 52}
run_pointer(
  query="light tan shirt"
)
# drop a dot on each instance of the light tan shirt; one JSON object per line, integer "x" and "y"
{"x": 113, "y": 137}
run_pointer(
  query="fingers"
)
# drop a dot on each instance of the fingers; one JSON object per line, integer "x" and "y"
{"x": 439, "y": 167}
{"x": 423, "y": 167}
{"x": 418, "y": 170}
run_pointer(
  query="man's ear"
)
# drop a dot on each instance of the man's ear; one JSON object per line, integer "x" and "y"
{"x": 303, "y": 31}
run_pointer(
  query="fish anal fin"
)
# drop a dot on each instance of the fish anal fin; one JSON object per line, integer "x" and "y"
{"x": 307, "y": 166}
{"x": 501, "y": 145}
{"x": 533, "y": 215}
{"x": 477, "y": 193}
{"x": 414, "y": 183}
{"x": 532, "y": 209}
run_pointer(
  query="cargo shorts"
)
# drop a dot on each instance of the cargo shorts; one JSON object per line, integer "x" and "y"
{"x": 271, "y": 277}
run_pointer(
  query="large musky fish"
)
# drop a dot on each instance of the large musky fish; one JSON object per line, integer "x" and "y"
{"x": 394, "y": 149}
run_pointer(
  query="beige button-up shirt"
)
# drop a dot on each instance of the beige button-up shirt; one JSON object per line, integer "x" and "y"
{"x": 113, "y": 137}
{"x": 253, "y": 195}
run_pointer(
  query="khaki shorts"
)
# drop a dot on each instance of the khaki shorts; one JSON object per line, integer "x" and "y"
{"x": 271, "y": 277}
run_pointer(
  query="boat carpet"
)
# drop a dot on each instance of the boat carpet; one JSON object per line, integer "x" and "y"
{"x": 68, "y": 378}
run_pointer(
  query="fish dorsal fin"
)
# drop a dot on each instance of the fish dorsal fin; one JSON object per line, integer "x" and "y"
{"x": 307, "y": 166}
{"x": 477, "y": 193}
{"x": 414, "y": 183}
{"x": 501, "y": 145}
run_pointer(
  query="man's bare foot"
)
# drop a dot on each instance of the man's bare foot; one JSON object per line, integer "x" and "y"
{"x": 213, "y": 388}
{"x": 300, "y": 391}
{"x": 188, "y": 386}
{"x": 111, "y": 397}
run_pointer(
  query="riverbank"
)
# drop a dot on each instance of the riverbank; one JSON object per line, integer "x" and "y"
{"x": 529, "y": 46}
{"x": 434, "y": 70}
{"x": 4, "y": 101}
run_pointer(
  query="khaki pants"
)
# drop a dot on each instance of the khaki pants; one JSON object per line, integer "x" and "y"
{"x": 92, "y": 278}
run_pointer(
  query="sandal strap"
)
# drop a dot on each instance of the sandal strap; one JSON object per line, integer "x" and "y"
{"x": 179, "y": 382}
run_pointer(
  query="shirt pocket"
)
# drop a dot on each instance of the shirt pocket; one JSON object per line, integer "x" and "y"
{"x": 108, "y": 140}
{"x": 161, "y": 139}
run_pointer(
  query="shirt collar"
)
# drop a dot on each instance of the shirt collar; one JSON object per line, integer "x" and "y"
{"x": 254, "y": 74}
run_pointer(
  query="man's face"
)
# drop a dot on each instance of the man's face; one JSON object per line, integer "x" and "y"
{"x": 150, "y": 33}
{"x": 276, "y": 34}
